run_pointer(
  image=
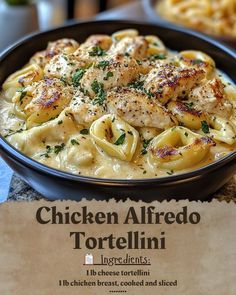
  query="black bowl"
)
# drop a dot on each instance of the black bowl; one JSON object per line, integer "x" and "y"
{"x": 149, "y": 7}
{"x": 54, "y": 184}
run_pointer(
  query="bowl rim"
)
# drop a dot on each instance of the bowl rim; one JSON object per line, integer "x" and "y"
{"x": 18, "y": 156}
{"x": 148, "y": 6}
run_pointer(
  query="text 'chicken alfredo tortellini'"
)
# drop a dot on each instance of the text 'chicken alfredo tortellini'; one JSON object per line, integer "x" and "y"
{"x": 119, "y": 106}
{"x": 115, "y": 137}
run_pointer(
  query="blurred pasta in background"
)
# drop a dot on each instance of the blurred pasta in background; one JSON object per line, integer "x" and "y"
{"x": 216, "y": 17}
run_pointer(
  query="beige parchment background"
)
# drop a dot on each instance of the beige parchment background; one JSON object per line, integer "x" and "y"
{"x": 34, "y": 257}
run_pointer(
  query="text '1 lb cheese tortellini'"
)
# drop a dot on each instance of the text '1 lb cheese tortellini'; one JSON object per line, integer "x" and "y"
{"x": 198, "y": 59}
{"x": 222, "y": 130}
{"x": 178, "y": 148}
{"x": 116, "y": 137}
{"x": 22, "y": 78}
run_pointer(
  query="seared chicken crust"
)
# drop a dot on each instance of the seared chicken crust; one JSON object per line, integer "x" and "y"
{"x": 119, "y": 106}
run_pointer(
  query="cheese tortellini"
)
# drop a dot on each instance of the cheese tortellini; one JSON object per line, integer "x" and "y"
{"x": 115, "y": 137}
{"x": 119, "y": 106}
{"x": 201, "y": 59}
{"x": 117, "y": 36}
{"x": 186, "y": 116}
{"x": 178, "y": 148}
{"x": 21, "y": 78}
{"x": 222, "y": 130}
{"x": 155, "y": 46}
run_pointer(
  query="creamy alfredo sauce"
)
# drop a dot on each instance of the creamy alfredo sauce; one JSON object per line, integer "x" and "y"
{"x": 65, "y": 140}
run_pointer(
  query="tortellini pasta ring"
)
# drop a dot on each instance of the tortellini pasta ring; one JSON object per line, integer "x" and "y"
{"x": 198, "y": 58}
{"x": 22, "y": 78}
{"x": 186, "y": 115}
{"x": 117, "y": 36}
{"x": 222, "y": 130}
{"x": 155, "y": 45}
{"x": 116, "y": 137}
{"x": 50, "y": 98}
{"x": 20, "y": 100}
{"x": 178, "y": 148}
{"x": 19, "y": 112}
{"x": 64, "y": 45}
{"x": 104, "y": 41}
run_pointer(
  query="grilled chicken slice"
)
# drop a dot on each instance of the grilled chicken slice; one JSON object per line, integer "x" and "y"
{"x": 135, "y": 47}
{"x": 93, "y": 49}
{"x": 65, "y": 46}
{"x": 168, "y": 82}
{"x": 108, "y": 73}
{"x": 63, "y": 67}
{"x": 84, "y": 110}
{"x": 50, "y": 97}
{"x": 211, "y": 98}
{"x": 137, "y": 109}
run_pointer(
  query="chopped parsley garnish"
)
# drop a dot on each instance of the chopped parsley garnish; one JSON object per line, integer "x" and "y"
{"x": 130, "y": 132}
{"x": 171, "y": 172}
{"x": 160, "y": 90}
{"x": 97, "y": 51}
{"x": 63, "y": 80}
{"x": 84, "y": 131}
{"x": 139, "y": 85}
{"x": 102, "y": 64}
{"x": 158, "y": 56}
{"x": 22, "y": 95}
{"x": 139, "y": 62}
{"x": 145, "y": 145}
{"x": 65, "y": 57}
{"x": 143, "y": 151}
{"x": 77, "y": 77}
{"x": 74, "y": 141}
{"x": 196, "y": 61}
{"x": 48, "y": 151}
{"x": 205, "y": 127}
{"x": 189, "y": 105}
{"x": 120, "y": 140}
{"x": 58, "y": 148}
{"x": 136, "y": 84}
{"x": 146, "y": 142}
{"x": 11, "y": 132}
{"x": 149, "y": 93}
{"x": 60, "y": 122}
{"x": 98, "y": 89}
{"x": 20, "y": 89}
{"x": 108, "y": 75}
{"x": 186, "y": 134}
